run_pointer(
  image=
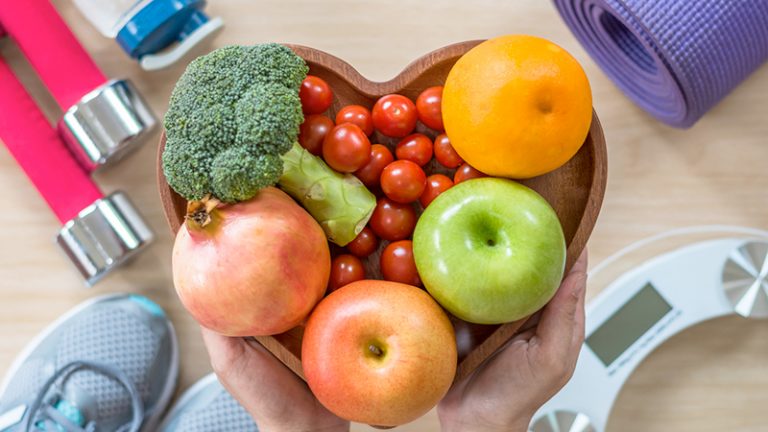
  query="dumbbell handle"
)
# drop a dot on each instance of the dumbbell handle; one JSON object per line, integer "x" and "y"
{"x": 98, "y": 233}
{"x": 101, "y": 121}
{"x": 39, "y": 151}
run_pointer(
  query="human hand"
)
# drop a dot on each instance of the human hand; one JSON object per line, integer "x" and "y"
{"x": 275, "y": 397}
{"x": 505, "y": 392}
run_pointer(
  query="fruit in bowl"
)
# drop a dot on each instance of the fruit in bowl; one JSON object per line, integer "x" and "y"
{"x": 517, "y": 106}
{"x": 490, "y": 250}
{"x": 252, "y": 268}
{"x": 336, "y": 95}
{"x": 379, "y": 352}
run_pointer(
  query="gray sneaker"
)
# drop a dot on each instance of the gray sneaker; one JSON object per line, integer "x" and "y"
{"x": 207, "y": 407}
{"x": 110, "y": 364}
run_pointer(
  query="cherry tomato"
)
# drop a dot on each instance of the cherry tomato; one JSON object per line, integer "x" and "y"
{"x": 416, "y": 148}
{"x": 370, "y": 173}
{"x": 398, "y": 265}
{"x": 315, "y": 94}
{"x": 436, "y": 184}
{"x": 364, "y": 244}
{"x": 313, "y": 131}
{"x": 345, "y": 269}
{"x": 393, "y": 221}
{"x": 466, "y": 172}
{"x": 358, "y": 115}
{"x": 445, "y": 153}
{"x": 394, "y": 115}
{"x": 429, "y": 107}
{"x": 403, "y": 181}
{"x": 346, "y": 148}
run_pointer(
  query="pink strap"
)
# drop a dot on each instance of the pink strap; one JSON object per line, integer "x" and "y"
{"x": 61, "y": 62}
{"x": 39, "y": 151}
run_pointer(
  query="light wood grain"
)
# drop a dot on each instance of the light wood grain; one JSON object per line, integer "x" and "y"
{"x": 710, "y": 378}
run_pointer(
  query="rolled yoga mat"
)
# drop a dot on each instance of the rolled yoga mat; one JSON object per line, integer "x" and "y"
{"x": 674, "y": 58}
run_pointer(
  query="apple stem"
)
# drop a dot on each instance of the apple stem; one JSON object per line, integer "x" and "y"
{"x": 375, "y": 350}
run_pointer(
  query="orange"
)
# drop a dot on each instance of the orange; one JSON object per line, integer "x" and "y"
{"x": 517, "y": 106}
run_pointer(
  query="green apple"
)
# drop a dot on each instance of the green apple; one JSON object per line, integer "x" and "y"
{"x": 490, "y": 250}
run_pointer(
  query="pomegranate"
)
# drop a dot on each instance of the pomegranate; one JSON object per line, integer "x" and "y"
{"x": 253, "y": 268}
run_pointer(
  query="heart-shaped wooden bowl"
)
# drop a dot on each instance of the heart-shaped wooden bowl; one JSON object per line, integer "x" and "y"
{"x": 575, "y": 190}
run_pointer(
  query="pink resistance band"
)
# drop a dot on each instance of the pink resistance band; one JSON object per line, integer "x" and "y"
{"x": 37, "y": 148}
{"x": 59, "y": 59}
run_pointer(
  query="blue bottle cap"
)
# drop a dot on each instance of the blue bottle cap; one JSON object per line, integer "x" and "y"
{"x": 159, "y": 24}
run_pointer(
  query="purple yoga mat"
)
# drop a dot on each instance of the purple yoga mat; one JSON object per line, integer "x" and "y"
{"x": 674, "y": 58}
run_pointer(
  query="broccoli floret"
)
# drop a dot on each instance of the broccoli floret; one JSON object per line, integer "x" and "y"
{"x": 238, "y": 175}
{"x": 231, "y": 115}
{"x": 272, "y": 115}
{"x": 231, "y": 130}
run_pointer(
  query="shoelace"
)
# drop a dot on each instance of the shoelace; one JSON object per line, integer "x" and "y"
{"x": 44, "y": 413}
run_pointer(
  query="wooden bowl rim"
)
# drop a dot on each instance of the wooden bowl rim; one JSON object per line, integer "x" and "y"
{"x": 410, "y": 72}
{"x": 373, "y": 89}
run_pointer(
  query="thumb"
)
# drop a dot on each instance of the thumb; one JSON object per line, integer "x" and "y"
{"x": 561, "y": 328}
{"x": 265, "y": 387}
{"x": 226, "y": 353}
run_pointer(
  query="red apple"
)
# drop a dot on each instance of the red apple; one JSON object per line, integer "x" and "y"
{"x": 378, "y": 352}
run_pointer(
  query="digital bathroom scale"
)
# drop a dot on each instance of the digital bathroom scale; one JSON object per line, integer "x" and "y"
{"x": 649, "y": 303}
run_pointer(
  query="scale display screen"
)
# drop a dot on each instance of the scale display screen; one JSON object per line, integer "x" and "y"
{"x": 628, "y": 324}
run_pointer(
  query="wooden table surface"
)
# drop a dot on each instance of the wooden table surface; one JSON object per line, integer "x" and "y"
{"x": 713, "y": 377}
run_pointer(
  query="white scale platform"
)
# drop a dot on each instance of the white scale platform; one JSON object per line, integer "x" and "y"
{"x": 650, "y": 303}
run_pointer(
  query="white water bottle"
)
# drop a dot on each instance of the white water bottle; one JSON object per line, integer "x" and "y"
{"x": 155, "y": 32}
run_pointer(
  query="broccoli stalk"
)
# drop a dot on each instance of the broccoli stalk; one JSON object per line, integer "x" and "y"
{"x": 231, "y": 128}
{"x": 339, "y": 202}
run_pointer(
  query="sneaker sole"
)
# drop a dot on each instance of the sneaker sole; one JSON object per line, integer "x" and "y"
{"x": 165, "y": 397}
